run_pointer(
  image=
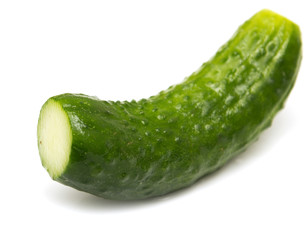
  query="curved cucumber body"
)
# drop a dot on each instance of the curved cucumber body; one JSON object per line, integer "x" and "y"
{"x": 147, "y": 148}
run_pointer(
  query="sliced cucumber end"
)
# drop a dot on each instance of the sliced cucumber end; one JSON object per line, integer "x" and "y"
{"x": 54, "y": 136}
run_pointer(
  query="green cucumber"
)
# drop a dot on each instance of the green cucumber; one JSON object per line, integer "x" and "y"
{"x": 146, "y": 148}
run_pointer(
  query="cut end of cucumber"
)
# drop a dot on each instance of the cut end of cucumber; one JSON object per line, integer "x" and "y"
{"x": 54, "y": 138}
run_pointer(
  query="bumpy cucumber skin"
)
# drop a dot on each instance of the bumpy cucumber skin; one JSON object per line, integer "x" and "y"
{"x": 147, "y": 148}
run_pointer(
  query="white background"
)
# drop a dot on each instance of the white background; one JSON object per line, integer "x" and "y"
{"x": 119, "y": 50}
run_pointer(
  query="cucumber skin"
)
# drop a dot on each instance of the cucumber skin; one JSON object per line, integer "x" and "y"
{"x": 147, "y": 148}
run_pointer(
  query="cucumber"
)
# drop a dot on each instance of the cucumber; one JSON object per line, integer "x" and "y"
{"x": 147, "y": 148}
